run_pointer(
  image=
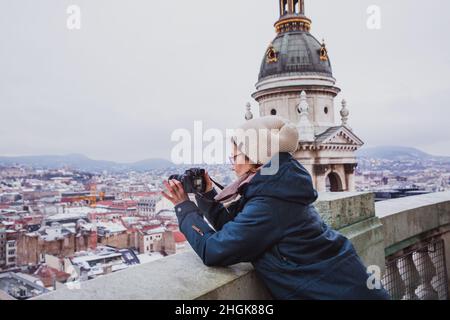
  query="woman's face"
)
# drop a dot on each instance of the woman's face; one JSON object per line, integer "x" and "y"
{"x": 241, "y": 164}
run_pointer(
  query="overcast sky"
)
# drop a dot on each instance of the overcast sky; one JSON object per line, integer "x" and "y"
{"x": 138, "y": 69}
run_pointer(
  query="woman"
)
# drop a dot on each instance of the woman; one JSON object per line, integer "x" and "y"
{"x": 273, "y": 225}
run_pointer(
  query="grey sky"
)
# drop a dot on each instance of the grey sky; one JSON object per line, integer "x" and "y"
{"x": 138, "y": 69}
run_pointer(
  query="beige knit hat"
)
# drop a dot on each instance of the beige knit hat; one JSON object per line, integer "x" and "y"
{"x": 262, "y": 138}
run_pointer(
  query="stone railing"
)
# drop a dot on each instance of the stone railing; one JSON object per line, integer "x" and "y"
{"x": 417, "y": 238}
{"x": 392, "y": 233}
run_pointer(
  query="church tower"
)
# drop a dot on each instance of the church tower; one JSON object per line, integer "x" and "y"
{"x": 296, "y": 82}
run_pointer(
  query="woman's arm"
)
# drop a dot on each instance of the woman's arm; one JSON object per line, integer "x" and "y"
{"x": 214, "y": 211}
{"x": 244, "y": 239}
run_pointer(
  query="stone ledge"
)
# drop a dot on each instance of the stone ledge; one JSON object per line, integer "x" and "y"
{"x": 179, "y": 277}
{"x": 411, "y": 217}
{"x": 340, "y": 210}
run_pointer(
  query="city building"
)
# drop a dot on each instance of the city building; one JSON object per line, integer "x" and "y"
{"x": 2, "y": 247}
{"x": 157, "y": 240}
{"x": 16, "y": 286}
{"x": 58, "y": 239}
{"x": 112, "y": 234}
{"x": 146, "y": 206}
{"x": 104, "y": 260}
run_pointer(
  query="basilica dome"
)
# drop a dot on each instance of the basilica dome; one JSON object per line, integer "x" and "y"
{"x": 295, "y": 53}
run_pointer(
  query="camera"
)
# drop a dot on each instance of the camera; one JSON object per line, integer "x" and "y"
{"x": 193, "y": 180}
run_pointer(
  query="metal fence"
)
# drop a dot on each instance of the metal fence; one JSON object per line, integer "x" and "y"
{"x": 418, "y": 273}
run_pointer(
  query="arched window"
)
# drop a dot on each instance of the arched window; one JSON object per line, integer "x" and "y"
{"x": 273, "y": 112}
{"x": 333, "y": 183}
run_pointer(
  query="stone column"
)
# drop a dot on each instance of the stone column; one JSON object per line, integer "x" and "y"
{"x": 350, "y": 176}
{"x": 393, "y": 283}
{"x": 409, "y": 276}
{"x": 320, "y": 177}
{"x": 426, "y": 272}
{"x": 436, "y": 253}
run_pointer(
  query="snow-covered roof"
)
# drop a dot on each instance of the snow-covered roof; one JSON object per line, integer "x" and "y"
{"x": 66, "y": 216}
{"x": 156, "y": 230}
{"x": 112, "y": 227}
{"x": 94, "y": 257}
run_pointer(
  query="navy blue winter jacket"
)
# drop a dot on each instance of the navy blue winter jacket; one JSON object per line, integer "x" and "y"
{"x": 275, "y": 227}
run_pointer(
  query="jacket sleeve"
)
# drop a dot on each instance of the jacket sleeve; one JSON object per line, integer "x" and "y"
{"x": 214, "y": 211}
{"x": 244, "y": 239}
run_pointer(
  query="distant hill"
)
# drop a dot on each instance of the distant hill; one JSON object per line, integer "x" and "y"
{"x": 396, "y": 153}
{"x": 151, "y": 164}
{"x": 81, "y": 162}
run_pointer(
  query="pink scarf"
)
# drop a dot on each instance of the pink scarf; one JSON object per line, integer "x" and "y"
{"x": 232, "y": 191}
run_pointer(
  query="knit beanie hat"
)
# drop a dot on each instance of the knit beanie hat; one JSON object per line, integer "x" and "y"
{"x": 262, "y": 138}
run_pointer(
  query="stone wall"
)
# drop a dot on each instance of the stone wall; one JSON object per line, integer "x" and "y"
{"x": 30, "y": 248}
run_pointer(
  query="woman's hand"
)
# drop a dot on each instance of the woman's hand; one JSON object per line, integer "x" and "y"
{"x": 176, "y": 193}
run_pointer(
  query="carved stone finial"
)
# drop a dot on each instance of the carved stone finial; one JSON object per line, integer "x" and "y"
{"x": 249, "y": 114}
{"x": 303, "y": 107}
{"x": 305, "y": 127}
{"x": 344, "y": 113}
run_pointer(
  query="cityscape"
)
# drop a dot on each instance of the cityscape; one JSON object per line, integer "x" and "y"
{"x": 63, "y": 226}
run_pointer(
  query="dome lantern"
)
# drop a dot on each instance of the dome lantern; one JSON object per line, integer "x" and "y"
{"x": 292, "y": 17}
{"x": 294, "y": 51}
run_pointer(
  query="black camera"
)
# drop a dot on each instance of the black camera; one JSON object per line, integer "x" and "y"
{"x": 193, "y": 180}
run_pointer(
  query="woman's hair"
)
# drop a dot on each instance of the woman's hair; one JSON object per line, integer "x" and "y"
{"x": 255, "y": 166}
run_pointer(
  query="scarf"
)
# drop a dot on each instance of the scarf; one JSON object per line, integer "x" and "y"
{"x": 232, "y": 191}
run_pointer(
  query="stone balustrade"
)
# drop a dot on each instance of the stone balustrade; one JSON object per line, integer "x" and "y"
{"x": 416, "y": 233}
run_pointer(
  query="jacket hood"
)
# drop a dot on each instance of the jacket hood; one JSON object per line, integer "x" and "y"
{"x": 291, "y": 183}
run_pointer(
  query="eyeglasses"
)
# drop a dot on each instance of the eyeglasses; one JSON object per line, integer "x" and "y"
{"x": 233, "y": 158}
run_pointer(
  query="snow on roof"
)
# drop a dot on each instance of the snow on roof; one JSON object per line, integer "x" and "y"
{"x": 66, "y": 216}
{"x": 94, "y": 257}
{"x": 112, "y": 227}
{"x": 156, "y": 230}
{"x": 88, "y": 227}
{"x": 130, "y": 220}
{"x": 85, "y": 210}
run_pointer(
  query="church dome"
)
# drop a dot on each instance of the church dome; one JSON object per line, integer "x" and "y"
{"x": 295, "y": 53}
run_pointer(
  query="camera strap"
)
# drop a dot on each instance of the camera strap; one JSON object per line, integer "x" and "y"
{"x": 217, "y": 184}
{"x": 209, "y": 200}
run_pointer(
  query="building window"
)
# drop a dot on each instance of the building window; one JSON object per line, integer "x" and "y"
{"x": 273, "y": 112}
{"x": 326, "y": 110}
{"x": 284, "y": 7}
{"x": 296, "y": 6}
